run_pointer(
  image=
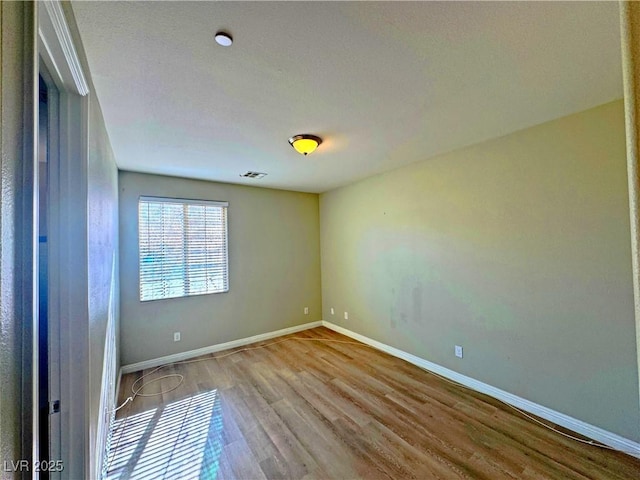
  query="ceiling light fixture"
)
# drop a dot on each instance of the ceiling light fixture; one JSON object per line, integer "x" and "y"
{"x": 224, "y": 39}
{"x": 305, "y": 143}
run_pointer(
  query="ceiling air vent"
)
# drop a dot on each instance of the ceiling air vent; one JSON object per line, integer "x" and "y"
{"x": 253, "y": 175}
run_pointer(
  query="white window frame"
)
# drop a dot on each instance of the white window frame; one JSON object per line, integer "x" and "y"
{"x": 184, "y": 201}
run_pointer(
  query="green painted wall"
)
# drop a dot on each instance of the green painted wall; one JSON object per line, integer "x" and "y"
{"x": 518, "y": 249}
{"x": 274, "y": 269}
{"x": 15, "y": 264}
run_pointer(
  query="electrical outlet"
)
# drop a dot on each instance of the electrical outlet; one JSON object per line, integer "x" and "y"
{"x": 176, "y": 336}
{"x": 458, "y": 351}
{"x": 306, "y": 310}
{"x": 346, "y": 315}
{"x": 333, "y": 312}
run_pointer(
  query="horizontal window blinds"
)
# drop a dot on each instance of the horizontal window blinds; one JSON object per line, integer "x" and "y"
{"x": 183, "y": 248}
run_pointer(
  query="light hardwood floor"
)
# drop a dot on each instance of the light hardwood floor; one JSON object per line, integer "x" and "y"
{"x": 306, "y": 409}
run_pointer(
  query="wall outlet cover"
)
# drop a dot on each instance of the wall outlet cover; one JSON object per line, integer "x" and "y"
{"x": 458, "y": 351}
{"x": 346, "y": 315}
{"x": 176, "y": 336}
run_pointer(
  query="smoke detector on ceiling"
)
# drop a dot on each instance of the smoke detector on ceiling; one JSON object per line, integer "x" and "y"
{"x": 223, "y": 38}
{"x": 250, "y": 174}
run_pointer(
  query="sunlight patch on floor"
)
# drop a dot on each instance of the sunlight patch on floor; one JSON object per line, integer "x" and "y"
{"x": 180, "y": 440}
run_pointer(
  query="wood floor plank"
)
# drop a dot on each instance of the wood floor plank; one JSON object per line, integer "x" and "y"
{"x": 252, "y": 430}
{"x": 318, "y": 405}
{"x": 242, "y": 462}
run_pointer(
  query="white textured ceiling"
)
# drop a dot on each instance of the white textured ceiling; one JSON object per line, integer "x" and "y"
{"x": 384, "y": 83}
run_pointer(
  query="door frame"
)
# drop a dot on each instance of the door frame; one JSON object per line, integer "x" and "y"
{"x": 53, "y": 334}
{"x": 68, "y": 259}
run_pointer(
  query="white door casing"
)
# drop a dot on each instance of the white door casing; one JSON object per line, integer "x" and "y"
{"x": 68, "y": 285}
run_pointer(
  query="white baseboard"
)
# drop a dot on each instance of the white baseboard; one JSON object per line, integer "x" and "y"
{"x": 115, "y": 400}
{"x": 596, "y": 433}
{"x": 178, "y": 357}
{"x": 591, "y": 431}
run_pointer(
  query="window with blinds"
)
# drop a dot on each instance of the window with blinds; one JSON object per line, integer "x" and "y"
{"x": 183, "y": 247}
